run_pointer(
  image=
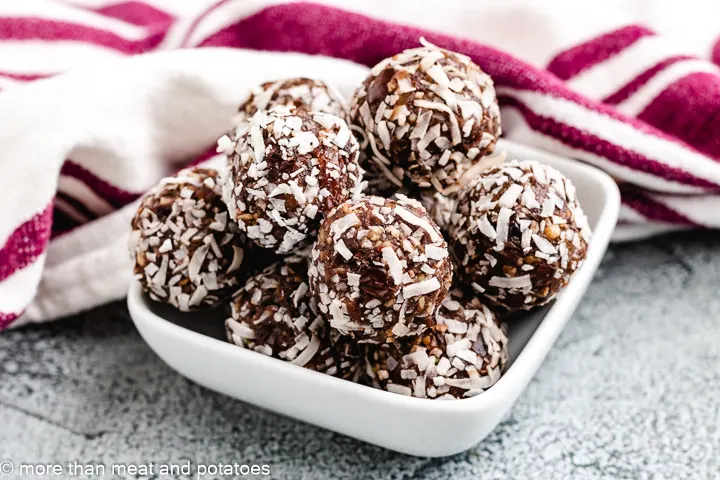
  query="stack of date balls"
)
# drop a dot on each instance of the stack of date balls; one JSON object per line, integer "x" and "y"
{"x": 372, "y": 241}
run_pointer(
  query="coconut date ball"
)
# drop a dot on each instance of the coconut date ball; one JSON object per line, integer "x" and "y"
{"x": 287, "y": 169}
{"x": 429, "y": 114}
{"x": 274, "y": 314}
{"x": 461, "y": 356}
{"x": 380, "y": 268}
{"x": 187, "y": 250}
{"x": 302, "y": 93}
{"x": 519, "y": 234}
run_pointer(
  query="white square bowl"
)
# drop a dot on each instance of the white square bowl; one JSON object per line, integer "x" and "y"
{"x": 194, "y": 345}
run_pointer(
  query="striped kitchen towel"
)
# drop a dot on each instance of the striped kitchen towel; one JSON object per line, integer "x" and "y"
{"x": 630, "y": 87}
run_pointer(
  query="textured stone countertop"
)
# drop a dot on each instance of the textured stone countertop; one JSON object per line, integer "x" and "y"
{"x": 630, "y": 390}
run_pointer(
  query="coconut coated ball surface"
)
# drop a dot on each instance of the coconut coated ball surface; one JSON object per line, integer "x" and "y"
{"x": 461, "y": 356}
{"x": 519, "y": 234}
{"x": 439, "y": 207}
{"x": 287, "y": 170}
{"x": 187, "y": 251}
{"x": 274, "y": 314}
{"x": 429, "y": 114}
{"x": 302, "y": 93}
{"x": 380, "y": 268}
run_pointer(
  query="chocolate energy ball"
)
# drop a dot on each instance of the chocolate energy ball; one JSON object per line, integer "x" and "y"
{"x": 429, "y": 115}
{"x": 274, "y": 314}
{"x": 287, "y": 169}
{"x": 380, "y": 269}
{"x": 461, "y": 356}
{"x": 302, "y": 93}
{"x": 187, "y": 250}
{"x": 518, "y": 234}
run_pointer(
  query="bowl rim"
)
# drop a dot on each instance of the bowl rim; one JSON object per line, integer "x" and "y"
{"x": 518, "y": 374}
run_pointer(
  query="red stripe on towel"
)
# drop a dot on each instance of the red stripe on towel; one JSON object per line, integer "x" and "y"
{"x": 689, "y": 109}
{"x": 7, "y": 318}
{"x": 579, "y": 58}
{"x": 28, "y": 28}
{"x": 115, "y": 196}
{"x": 578, "y": 139}
{"x": 26, "y": 243}
{"x": 652, "y": 210}
{"x": 636, "y": 83}
{"x": 137, "y": 13}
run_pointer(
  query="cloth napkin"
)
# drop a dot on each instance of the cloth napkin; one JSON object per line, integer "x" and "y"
{"x": 630, "y": 87}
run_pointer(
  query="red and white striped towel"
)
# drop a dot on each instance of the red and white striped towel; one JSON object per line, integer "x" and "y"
{"x": 631, "y": 87}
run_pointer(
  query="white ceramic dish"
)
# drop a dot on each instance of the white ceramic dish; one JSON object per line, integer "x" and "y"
{"x": 194, "y": 345}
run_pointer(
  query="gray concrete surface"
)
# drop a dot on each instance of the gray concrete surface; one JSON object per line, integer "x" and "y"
{"x": 631, "y": 390}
